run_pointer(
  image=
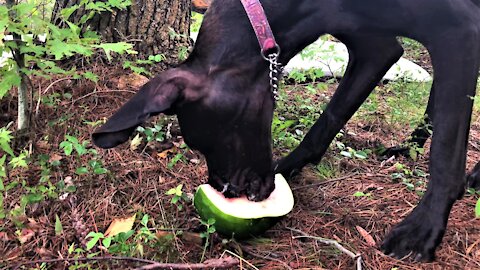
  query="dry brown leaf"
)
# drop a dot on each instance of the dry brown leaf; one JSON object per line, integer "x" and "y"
{"x": 193, "y": 238}
{"x": 43, "y": 252}
{"x": 26, "y": 235}
{"x": 187, "y": 237}
{"x": 161, "y": 234}
{"x": 366, "y": 236}
{"x": 165, "y": 153}
{"x": 120, "y": 225}
{"x": 129, "y": 81}
{"x": 43, "y": 145}
{"x": 55, "y": 157}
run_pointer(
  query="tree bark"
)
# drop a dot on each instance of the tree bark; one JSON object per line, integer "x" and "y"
{"x": 154, "y": 26}
{"x": 23, "y": 113}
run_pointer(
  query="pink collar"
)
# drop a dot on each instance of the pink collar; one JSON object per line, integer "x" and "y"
{"x": 260, "y": 25}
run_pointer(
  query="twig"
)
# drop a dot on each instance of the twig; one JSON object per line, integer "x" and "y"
{"x": 40, "y": 93}
{"x": 98, "y": 92}
{"x": 221, "y": 263}
{"x": 105, "y": 258}
{"x": 356, "y": 257}
{"x": 327, "y": 182}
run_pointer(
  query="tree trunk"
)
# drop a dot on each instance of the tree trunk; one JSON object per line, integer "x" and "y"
{"x": 23, "y": 113}
{"x": 154, "y": 26}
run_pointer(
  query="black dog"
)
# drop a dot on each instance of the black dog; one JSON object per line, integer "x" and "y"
{"x": 222, "y": 97}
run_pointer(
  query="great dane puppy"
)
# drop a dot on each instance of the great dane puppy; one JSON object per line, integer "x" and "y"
{"x": 222, "y": 97}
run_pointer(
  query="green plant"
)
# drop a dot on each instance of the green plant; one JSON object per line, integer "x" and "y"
{"x": 71, "y": 144}
{"x": 154, "y": 133}
{"x": 178, "y": 196}
{"x": 197, "y": 19}
{"x": 26, "y": 23}
{"x": 281, "y": 134}
{"x": 210, "y": 229}
{"x": 131, "y": 242}
{"x": 414, "y": 179}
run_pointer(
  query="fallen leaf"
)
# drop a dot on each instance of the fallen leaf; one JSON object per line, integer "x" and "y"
{"x": 43, "y": 145}
{"x": 366, "y": 236}
{"x": 120, "y": 225}
{"x": 55, "y": 157}
{"x": 164, "y": 153}
{"x": 136, "y": 141}
{"x": 161, "y": 234}
{"x": 43, "y": 252}
{"x": 26, "y": 235}
{"x": 193, "y": 238}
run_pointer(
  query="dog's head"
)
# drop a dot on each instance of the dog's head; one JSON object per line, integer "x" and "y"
{"x": 227, "y": 120}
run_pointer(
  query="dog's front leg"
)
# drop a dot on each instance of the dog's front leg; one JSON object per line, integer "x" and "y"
{"x": 370, "y": 58}
{"x": 455, "y": 58}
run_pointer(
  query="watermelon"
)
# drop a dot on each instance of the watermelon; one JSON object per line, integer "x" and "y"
{"x": 240, "y": 218}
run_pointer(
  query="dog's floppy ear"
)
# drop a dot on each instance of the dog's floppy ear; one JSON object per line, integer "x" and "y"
{"x": 156, "y": 96}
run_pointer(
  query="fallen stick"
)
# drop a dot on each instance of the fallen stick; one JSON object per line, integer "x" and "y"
{"x": 356, "y": 257}
{"x": 222, "y": 263}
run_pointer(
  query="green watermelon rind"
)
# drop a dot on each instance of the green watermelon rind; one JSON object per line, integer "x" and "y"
{"x": 228, "y": 225}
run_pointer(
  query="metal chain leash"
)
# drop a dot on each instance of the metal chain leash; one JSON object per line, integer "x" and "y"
{"x": 276, "y": 70}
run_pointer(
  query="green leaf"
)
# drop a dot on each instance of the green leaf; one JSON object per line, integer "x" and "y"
{"x": 211, "y": 229}
{"x": 360, "y": 154}
{"x": 60, "y": 49}
{"x": 346, "y": 154}
{"x": 9, "y": 80}
{"x": 71, "y": 139}
{"x": 107, "y": 241}
{"x": 58, "y": 225}
{"x": 90, "y": 76}
{"x": 477, "y": 209}
{"x": 75, "y": 28}
{"x": 175, "y": 199}
{"x": 144, "y": 221}
{"x": 71, "y": 248}
{"x": 67, "y": 12}
{"x": 171, "y": 191}
{"x": 81, "y": 170}
{"x": 119, "y": 47}
{"x": 33, "y": 198}
{"x": 67, "y": 147}
{"x": 95, "y": 237}
{"x": 359, "y": 194}
{"x": 211, "y": 221}
{"x": 100, "y": 171}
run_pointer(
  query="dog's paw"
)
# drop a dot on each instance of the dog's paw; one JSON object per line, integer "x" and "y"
{"x": 417, "y": 237}
{"x": 287, "y": 167}
{"x": 473, "y": 179}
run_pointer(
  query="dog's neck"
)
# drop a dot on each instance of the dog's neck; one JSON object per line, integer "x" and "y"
{"x": 232, "y": 43}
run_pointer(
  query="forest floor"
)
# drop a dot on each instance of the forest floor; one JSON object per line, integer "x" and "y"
{"x": 353, "y": 198}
